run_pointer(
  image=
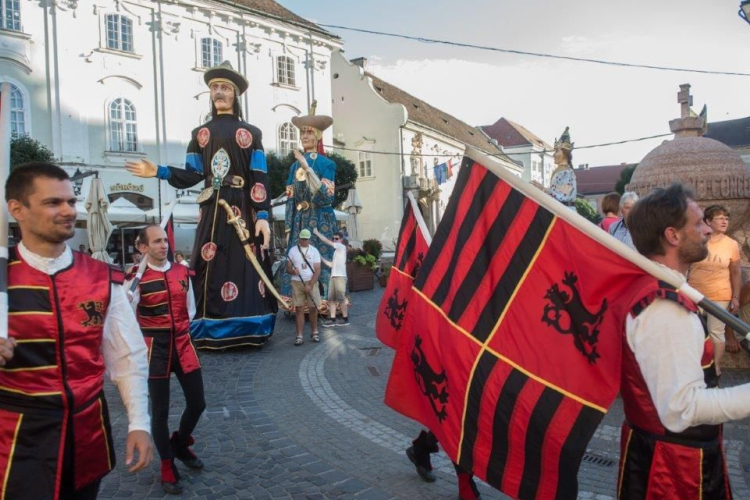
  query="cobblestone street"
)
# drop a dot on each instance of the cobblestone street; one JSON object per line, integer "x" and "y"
{"x": 308, "y": 422}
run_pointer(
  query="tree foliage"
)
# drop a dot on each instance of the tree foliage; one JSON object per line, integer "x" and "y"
{"x": 624, "y": 180}
{"x": 585, "y": 209}
{"x": 278, "y": 173}
{"x": 24, "y": 149}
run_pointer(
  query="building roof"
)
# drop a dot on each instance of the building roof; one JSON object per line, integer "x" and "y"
{"x": 422, "y": 113}
{"x": 272, "y": 9}
{"x": 733, "y": 133}
{"x": 509, "y": 134}
{"x": 599, "y": 180}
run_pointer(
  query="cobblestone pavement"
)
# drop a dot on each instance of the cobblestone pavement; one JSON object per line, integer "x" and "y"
{"x": 308, "y": 422}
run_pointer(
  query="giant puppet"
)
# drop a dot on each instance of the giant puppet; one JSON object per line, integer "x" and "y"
{"x": 310, "y": 191}
{"x": 563, "y": 182}
{"x": 234, "y": 305}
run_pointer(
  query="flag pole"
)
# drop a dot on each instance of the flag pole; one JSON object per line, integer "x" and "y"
{"x": 142, "y": 265}
{"x": 5, "y": 91}
{"x": 559, "y": 210}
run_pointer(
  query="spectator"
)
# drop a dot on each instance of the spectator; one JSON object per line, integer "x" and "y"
{"x": 610, "y": 207}
{"x": 337, "y": 285}
{"x": 744, "y": 315}
{"x": 303, "y": 264}
{"x": 620, "y": 228}
{"x": 719, "y": 277}
{"x": 180, "y": 258}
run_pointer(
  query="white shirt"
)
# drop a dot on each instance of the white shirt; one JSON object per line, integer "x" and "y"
{"x": 123, "y": 348}
{"x": 339, "y": 259}
{"x": 311, "y": 254}
{"x": 190, "y": 295}
{"x": 667, "y": 341}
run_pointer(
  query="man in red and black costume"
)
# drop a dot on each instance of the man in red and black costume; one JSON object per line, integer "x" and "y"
{"x": 165, "y": 305}
{"x": 671, "y": 445}
{"x": 71, "y": 321}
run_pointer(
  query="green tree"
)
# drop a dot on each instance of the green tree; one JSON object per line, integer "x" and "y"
{"x": 584, "y": 209}
{"x": 278, "y": 173}
{"x": 24, "y": 149}
{"x": 625, "y": 176}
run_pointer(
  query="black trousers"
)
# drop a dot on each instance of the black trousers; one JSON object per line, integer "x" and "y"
{"x": 195, "y": 403}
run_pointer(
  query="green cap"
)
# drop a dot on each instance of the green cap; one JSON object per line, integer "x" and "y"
{"x": 304, "y": 234}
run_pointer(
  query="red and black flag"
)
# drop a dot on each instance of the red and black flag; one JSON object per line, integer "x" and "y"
{"x": 169, "y": 229}
{"x": 516, "y": 353}
{"x": 411, "y": 249}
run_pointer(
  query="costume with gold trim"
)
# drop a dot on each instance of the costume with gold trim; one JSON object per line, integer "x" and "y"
{"x": 54, "y": 383}
{"x": 164, "y": 320}
{"x": 655, "y": 462}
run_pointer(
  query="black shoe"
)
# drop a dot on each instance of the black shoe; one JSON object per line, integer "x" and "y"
{"x": 183, "y": 453}
{"x": 329, "y": 323}
{"x": 342, "y": 322}
{"x": 173, "y": 488}
{"x": 422, "y": 470}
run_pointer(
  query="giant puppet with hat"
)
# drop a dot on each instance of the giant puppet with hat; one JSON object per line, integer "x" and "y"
{"x": 563, "y": 182}
{"x": 310, "y": 191}
{"x": 235, "y": 302}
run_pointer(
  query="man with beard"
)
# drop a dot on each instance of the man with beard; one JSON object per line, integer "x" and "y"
{"x": 70, "y": 320}
{"x": 164, "y": 304}
{"x": 232, "y": 305}
{"x": 671, "y": 446}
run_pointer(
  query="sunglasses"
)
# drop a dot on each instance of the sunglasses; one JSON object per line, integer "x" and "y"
{"x": 336, "y": 238}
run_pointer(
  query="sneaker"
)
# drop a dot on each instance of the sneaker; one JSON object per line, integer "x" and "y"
{"x": 342, "y": 322}
{"x": 329, "y": 323}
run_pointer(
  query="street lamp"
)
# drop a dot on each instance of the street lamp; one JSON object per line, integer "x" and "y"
{"x": 77, "y": 182}
{"x": 745, "y": 10}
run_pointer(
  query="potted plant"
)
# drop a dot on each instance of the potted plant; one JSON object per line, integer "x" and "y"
{"x": 360, "y": 270}
{"x": 384, "y": 275}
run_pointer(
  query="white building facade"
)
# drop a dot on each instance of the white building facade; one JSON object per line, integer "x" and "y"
{"x": 396, "y": 141}
{"x": 103, "y": 82}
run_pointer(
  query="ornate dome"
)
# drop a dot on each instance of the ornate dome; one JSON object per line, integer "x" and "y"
{"x": 714, "y": 171}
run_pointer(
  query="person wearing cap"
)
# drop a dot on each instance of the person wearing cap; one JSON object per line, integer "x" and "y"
{"x": 563, "y": 182}
{"x": 226, "y": 154}
{"x": 303, "y": 265}
{"x": 310, "y": 191}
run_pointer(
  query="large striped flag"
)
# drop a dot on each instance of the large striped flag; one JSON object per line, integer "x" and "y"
{"x": 512, "y": 354}
{"x": 411, "y": 249}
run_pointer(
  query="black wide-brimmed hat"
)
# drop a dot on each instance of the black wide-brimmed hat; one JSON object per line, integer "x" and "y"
{"x": 225, "y": 72}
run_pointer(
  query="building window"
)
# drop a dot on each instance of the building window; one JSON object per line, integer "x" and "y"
{"x": 285, "y": 70}
{"x": 211, "y": 52}
{"x": 119, "y": 33}
{"x": 123, "y": 128}
{"x": 17, "y": 111}
{"x": 288, "y": 139}
{"x": 10, "y": 14}
{"x": 365, "y": 164}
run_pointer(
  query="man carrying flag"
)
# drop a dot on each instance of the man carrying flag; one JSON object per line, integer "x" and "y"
{"x": 671, "y": 444}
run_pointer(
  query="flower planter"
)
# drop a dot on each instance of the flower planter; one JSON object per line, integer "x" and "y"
{"x": 359, "y": 277}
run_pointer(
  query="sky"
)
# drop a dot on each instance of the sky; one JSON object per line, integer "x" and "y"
{"x": 600, "y": 103}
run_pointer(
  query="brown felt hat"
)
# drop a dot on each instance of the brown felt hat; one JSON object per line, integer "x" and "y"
{"x": 225, "y": 72}
{"x": 318, "y": 122}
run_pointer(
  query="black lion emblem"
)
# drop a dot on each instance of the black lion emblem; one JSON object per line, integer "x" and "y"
{"x": 433, "y": 385}
{"x": 184, "y": 285}
{"x": 566, "y": 313}
{"x": 395, "y": 310}
{"x": 93, "y": 310}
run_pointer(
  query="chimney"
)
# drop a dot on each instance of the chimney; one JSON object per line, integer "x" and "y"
{"x": 360, "y": 61}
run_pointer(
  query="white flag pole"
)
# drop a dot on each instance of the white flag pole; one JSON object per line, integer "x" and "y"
{"x": 5, "y": 91}
{"x": 559, "y": 210}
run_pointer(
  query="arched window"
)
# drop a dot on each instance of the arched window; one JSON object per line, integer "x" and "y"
{"x": 211, "y": 52}
{"x": 119, "y": 33}
{"x": 123, "y": 128}
{"x": 285, "y": 70}
{"x": 17, "y": 111}
{"x": 288, "y": 138}
{"x": 10, "y": 15}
